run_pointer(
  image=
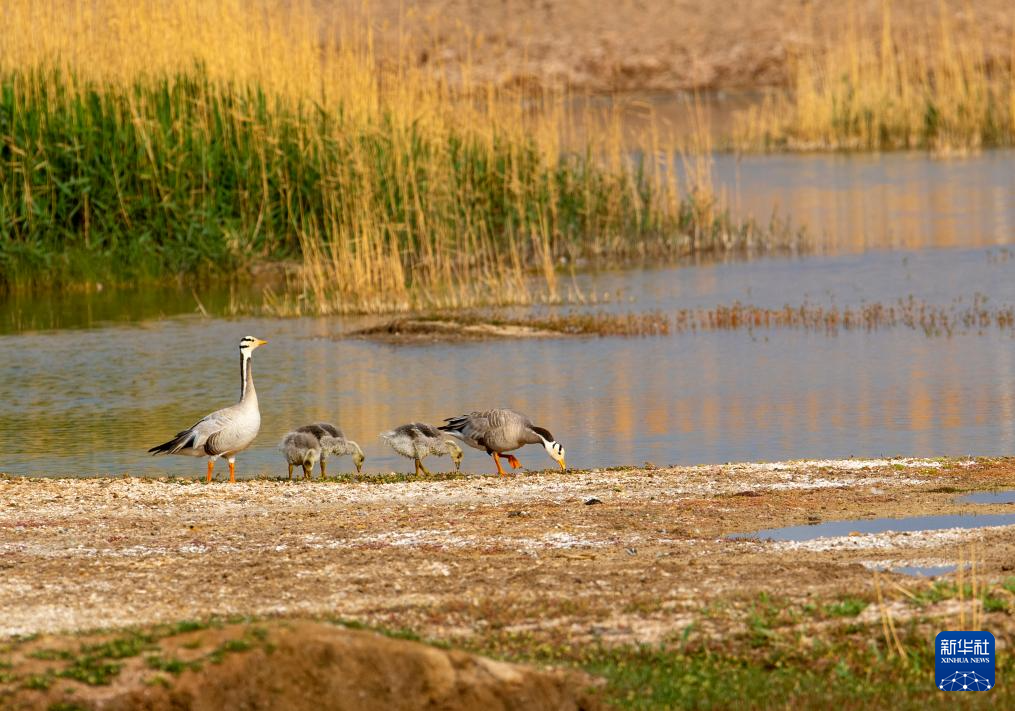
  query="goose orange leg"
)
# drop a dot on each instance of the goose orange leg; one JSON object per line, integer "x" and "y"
{"x": 513, "y": 461}
{"x": 232, "y": 471}
{"x": 496, "y": 459}
{"x": 211, "y": 467}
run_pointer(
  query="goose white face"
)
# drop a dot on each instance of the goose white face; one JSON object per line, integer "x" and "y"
{"x": 556, "y": 452}
{"x": 249, "y": 343}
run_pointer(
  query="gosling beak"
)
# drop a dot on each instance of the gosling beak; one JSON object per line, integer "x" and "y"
{"x": 359, "y": 468}
{"x": 458, "y": 466}
{"x": 563, "y": 465}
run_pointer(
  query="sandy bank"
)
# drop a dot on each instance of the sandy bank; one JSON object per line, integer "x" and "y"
{"x": 565, "y": 554}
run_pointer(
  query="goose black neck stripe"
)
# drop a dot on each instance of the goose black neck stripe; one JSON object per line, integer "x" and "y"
{"x": 545, "y": 434}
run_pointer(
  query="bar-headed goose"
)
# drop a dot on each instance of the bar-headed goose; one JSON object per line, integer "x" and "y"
{"x": 417, "y": 440}
{"x": 333, "y": 441}
{"x": 224, "y": 432}
{"x": 501, "y": 430}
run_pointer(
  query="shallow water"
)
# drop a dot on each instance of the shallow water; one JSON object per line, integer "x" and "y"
{"x": 988, "y": 497}
{"x": 89, "y": 382}
{"x": 837, "y": 529}
{"x": 924, "y": 571}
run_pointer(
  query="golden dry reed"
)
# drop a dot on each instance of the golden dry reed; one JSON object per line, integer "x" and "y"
{"x": 875, "y": 87}
{"x": 206, "y": 137}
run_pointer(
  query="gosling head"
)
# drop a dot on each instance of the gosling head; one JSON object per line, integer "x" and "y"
{"x": 248, "y": 344}
{"x": 358, "y": 458}
{"x": 456, "y": 453}
{"x": 554, "y": 448}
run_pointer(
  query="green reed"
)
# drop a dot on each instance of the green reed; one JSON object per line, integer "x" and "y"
{"x": 162, "y": 178}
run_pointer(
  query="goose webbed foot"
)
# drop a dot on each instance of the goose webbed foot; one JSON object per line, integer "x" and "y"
{"x": 496, "y": 460}
{"x": 513, "y": 461}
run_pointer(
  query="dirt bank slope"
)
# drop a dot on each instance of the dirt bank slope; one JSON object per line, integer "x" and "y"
{"x": 295, "y": 665}
{"x": 652, "y": 44}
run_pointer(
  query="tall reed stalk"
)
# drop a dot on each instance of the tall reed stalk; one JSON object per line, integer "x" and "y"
{"x": 876, "y": 87}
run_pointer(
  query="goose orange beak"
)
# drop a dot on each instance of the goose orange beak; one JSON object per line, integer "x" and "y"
{"x": 563, "y": 465}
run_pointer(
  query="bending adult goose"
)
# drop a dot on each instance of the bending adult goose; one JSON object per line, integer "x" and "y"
{"x": 333, "y": 441}
{"x": 501, "y": 430}
{"x": 224, "y": 432}
{"x": 301, "y": 448}
{"x": 417, "y": 440}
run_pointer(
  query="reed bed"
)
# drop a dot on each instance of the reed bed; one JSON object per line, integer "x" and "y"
{"x": 931, "y": 86}
{"x": 912, "y": 314}
{"x": 159, "y": 140}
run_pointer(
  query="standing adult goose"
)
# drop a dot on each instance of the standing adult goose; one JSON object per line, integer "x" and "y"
{"x": 417, "y": 440}
{"x": 301, "y": 448}
{"x": 501, "y": 430}
{"x": 224, "y": 432}
{"x": 333, "y": 441}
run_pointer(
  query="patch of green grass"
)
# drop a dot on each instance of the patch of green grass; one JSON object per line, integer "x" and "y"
{"x": 230, "y": 646}
{"x": 39, "y": 682}
{"x": 66, "y": 706}
{"x": 850, "y": 673}
{"x": 91, "y": 670}
{"x": 185, "y": 626}
{"x": 120, "y": 647}
{"x": 172, "y": 665}
{"x": 846, "y": 607}
{"x": 994, "y": 604}
{"x": 51, "y": 654}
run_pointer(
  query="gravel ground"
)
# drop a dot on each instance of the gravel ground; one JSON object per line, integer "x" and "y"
{"x": 617, "y": 555}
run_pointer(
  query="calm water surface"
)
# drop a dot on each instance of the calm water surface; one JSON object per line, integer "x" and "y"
{"x": 88, "y": 383}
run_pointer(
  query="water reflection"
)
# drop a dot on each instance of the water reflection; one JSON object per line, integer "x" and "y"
{"x": 854, "y": 203}
{"x": 93, "y": 401}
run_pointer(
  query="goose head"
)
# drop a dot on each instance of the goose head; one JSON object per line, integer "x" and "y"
{"x": 456, "y": 453}
{"x": 554, "y": 448}
{"x": 248, "y": 344}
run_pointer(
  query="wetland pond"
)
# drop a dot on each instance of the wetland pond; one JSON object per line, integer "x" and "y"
{"x": 90, "y": 382}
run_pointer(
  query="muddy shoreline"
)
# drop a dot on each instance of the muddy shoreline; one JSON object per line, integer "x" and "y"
{"x": 627, "y": 555}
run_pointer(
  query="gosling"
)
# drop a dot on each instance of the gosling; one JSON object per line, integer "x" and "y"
{"x": 333, "y": 441}
{"x": 301, "y": 448}
{"x": 417, "y": 440}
